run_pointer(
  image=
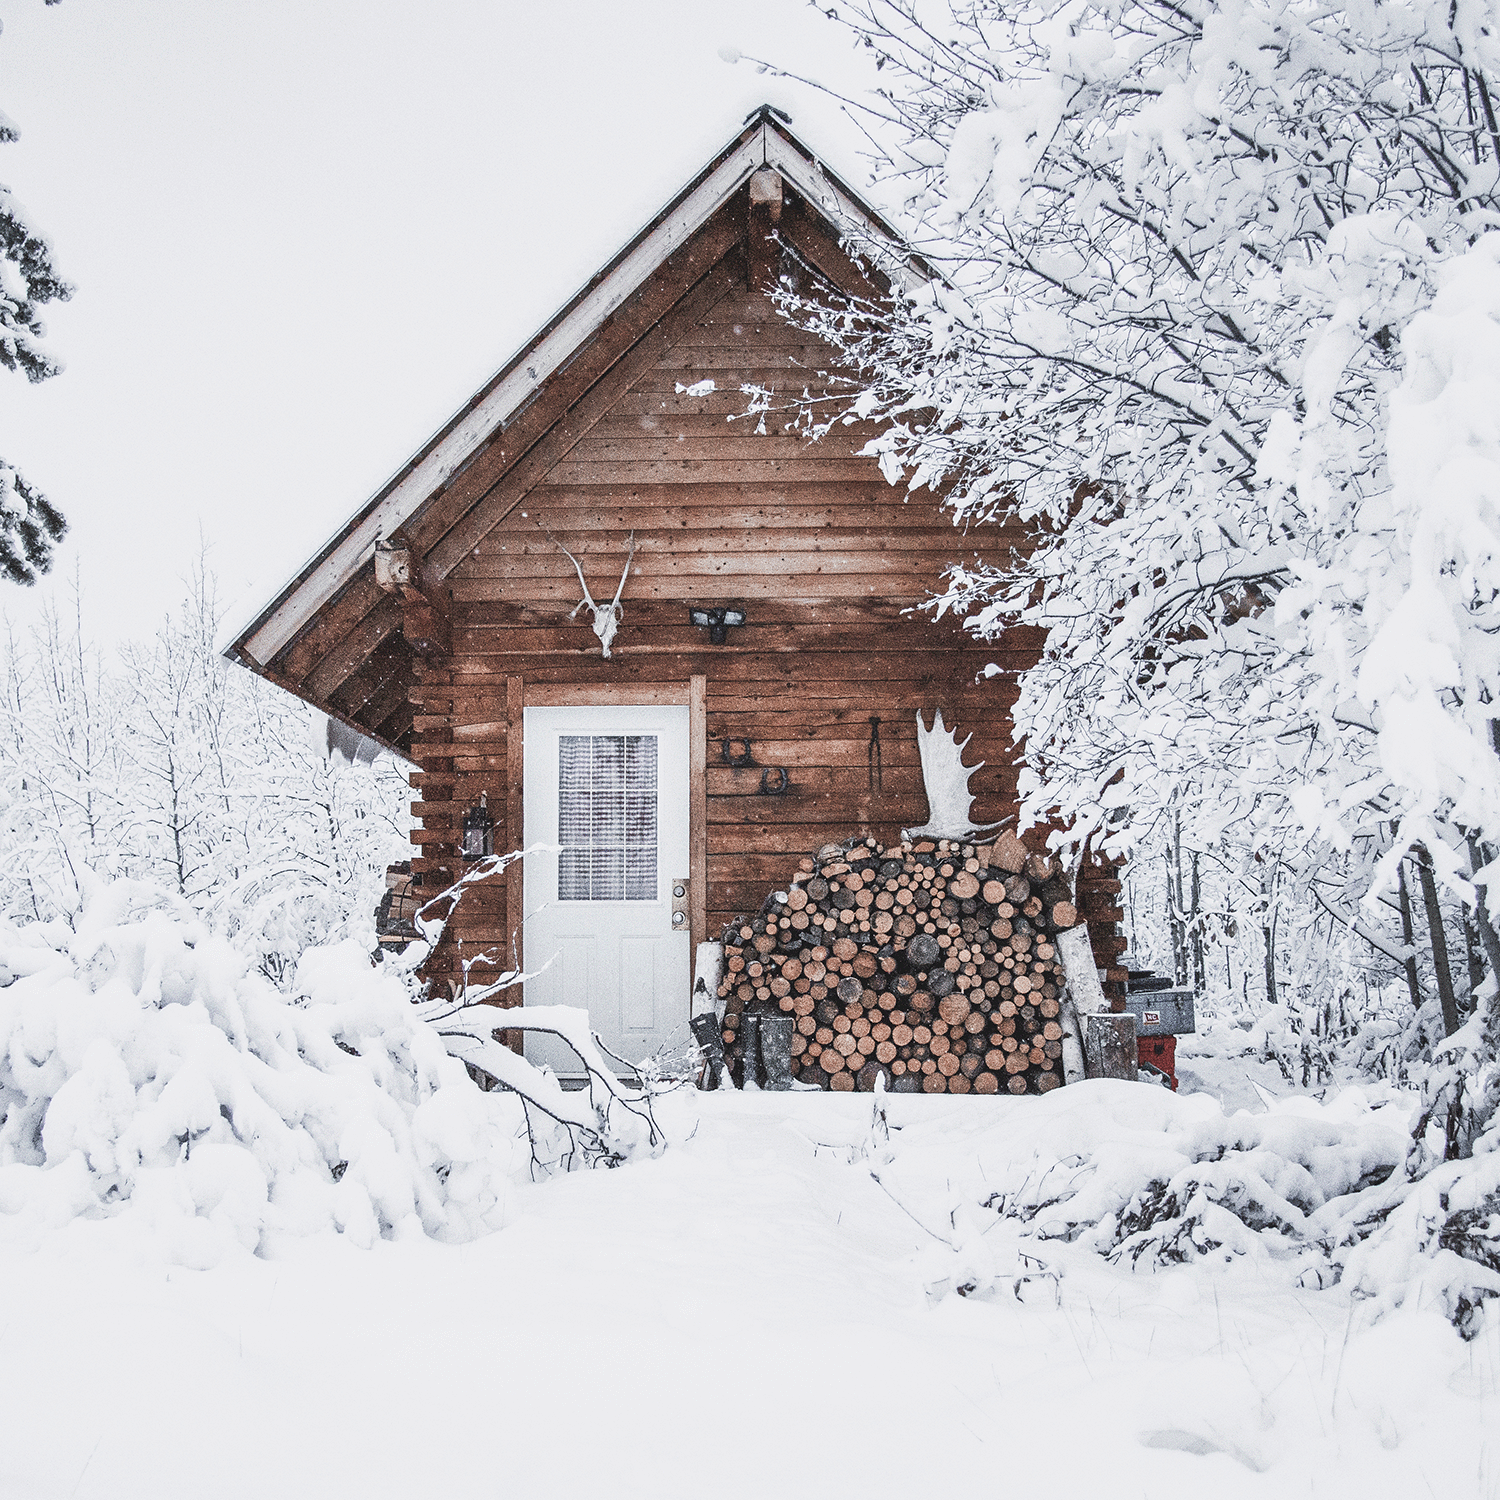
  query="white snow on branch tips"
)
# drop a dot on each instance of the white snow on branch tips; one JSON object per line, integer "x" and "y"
{"x": 604, "y": 1123}
{"x": 946, "y": 779}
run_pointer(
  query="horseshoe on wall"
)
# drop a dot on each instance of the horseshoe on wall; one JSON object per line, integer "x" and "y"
{"x": 736, "y": 757}
{"x": 774, "y": 781}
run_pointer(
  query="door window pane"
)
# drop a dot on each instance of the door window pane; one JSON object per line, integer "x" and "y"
{"x": 606, "y": 819}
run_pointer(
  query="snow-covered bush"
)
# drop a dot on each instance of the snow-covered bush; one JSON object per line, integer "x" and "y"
{"x": 148, "y": 1070}
{"x": 1432, "y": 1244}
{"x": 1319, "y": 1193}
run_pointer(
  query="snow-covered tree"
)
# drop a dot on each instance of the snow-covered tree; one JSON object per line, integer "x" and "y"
{"x": 176, "y": 768}
{"x": 29, "y": 523}
{"x": 1214, "y": 327}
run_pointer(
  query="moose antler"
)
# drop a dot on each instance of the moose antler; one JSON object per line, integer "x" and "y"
{"x": 606, "y": 616}
{"x": 946, "y": 779}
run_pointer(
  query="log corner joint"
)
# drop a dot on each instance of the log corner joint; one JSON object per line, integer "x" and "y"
{"x": 426, "y": 602}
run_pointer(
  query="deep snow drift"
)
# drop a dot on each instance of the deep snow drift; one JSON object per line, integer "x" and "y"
{"x": 751, "y": 1313}
{"x": 262, "y": 1244}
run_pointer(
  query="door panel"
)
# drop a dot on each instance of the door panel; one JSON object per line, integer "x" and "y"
{"x": 608, "y": 789}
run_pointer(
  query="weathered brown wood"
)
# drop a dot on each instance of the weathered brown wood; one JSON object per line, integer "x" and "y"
{"x": 562, "y": 694}
{"x": 496, "y": 554}
{"x": 614, "y": 472}
{"x": 697, "y": 587}
{"x": 333, "y": 623}
{"x": 1109, "y": 1046}
{"x": 735, "y": 445}
{"x": 497, "y": 612}
{"x": 754, "y": 639}
{"x": 812, "y": 502}
{"x": 518, "y": 574}
{"x": 648, "y": 419}
{"x": 580, "y": 395}
{"x": 763, "y": 251}
{"x": 344, "y": 659}
{"x": 803, "y": 673}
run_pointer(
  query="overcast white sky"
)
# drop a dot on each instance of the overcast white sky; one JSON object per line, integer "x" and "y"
{"x": 303, "y": 232}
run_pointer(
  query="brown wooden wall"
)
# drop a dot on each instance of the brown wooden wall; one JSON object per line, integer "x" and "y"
{"x": 827, "y": 560}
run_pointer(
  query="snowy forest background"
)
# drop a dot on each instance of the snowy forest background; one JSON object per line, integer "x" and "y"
{"x": 163, "y": 764}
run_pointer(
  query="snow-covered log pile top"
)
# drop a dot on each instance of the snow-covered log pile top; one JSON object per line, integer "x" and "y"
{"x": 929, "y": 964}
{"x": 146, "y": 1070}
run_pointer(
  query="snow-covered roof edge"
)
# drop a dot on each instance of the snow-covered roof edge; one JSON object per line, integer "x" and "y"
{"x": 764, "y": 141}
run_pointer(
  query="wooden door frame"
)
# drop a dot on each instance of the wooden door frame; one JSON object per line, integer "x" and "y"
{"x": 521, "y": 695}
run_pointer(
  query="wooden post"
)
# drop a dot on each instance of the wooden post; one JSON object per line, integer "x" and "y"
{"x": 1083, "y": 997}
{"x": 515, "y": 813}
{"x": 1077, "y": 955}
{"x": 1109, "y": 1047}
{"x": 763, "y": 250}
{"x": 698, "y": 808}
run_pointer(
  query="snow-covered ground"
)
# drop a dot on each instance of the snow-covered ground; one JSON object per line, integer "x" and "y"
{"x": 760, "y": 1310}
{"x": 270, "y": 1243}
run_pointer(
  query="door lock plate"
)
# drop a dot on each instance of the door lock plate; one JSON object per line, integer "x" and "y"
{"x": 680, "y": 899}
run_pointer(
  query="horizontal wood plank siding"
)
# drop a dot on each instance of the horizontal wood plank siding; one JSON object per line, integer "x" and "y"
{"x": 830, "y": 564}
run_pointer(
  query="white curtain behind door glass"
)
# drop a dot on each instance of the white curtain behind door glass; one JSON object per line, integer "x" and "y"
{"x": 606, "y": 817}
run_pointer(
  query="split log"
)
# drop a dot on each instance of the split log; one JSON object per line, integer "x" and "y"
{"x": 918, "y": 962}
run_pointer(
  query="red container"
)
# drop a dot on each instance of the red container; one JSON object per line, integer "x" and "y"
{"x": 1160, "y": 1052}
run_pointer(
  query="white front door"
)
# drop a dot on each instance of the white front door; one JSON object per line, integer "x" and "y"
{"x": 609, "y": 786}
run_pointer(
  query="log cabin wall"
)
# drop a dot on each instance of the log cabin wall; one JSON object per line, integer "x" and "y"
{"x": 598, "y": 438}
{"x": 821, "y": 685}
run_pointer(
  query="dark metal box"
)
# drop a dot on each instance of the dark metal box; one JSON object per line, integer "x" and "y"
{"x": 1162, "y": 1012}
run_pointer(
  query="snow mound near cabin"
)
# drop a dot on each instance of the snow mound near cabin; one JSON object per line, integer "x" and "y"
{"x": 1309, "y": 1192}
{"x": 148, "y": 1073}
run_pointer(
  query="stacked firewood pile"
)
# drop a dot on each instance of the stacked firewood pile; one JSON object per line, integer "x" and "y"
{"x": 929, "y": 962}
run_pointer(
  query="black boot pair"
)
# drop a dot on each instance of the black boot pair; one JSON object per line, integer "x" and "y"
{"x": 768, "y": 1051}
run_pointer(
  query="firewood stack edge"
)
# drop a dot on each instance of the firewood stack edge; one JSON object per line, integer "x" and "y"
{"x": 930, "y": 962}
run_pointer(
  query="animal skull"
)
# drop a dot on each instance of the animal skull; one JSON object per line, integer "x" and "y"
{"x": 607, "y": 617}
{"x": 946, "y": 779}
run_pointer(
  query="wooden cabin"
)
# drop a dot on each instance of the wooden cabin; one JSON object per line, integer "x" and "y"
{"x": 759, "y": 695}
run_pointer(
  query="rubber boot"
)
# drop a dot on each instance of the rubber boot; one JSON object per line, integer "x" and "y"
{"x": 710, "y": 1043}
{"x": 776, "y": 1051}
{"x": 750, "y": 1039}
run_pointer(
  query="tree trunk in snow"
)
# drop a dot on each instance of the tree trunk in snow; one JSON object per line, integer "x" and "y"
{"x": 1439, "y": 942}
{"x": 1408, "y": 937}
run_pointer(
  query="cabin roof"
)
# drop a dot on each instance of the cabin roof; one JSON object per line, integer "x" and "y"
{"x": 764, "y": 141}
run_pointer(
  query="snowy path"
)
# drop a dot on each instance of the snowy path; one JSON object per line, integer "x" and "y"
{"x": 743, "y": 1316}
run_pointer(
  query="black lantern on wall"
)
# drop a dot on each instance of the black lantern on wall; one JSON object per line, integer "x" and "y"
{"x": 479, "y": 831}
{"x": 718, "y": 620}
